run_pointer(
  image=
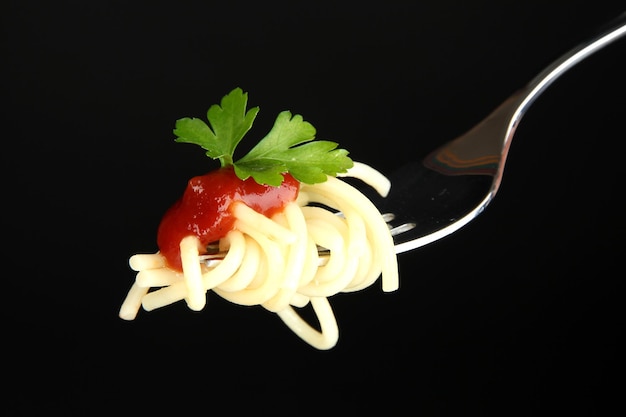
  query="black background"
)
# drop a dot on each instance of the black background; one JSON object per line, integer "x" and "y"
{"x": 515, "y": 314}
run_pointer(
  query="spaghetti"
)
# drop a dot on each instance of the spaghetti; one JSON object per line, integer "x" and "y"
{"x": 274, "y": 262}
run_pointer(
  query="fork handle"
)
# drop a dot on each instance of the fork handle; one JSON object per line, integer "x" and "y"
{"x": 607, "y": 34}
{"x": 483, "y": 149}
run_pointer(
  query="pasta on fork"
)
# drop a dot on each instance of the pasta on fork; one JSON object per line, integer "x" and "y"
{"x": 280, "y": 246}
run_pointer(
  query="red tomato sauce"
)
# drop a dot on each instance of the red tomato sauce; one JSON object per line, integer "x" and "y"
{"x": 204, "y": 209}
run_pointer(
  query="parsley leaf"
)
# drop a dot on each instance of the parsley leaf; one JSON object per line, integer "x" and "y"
{"x": 230, "y": 122}
{"x": 288, "y": 147}
{"x": 279, "y": 152}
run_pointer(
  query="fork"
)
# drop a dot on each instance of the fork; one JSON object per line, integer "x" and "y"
{"x": 437, "y": 195}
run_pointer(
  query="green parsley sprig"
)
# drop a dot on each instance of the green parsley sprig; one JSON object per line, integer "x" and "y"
{"x": 288, "y": 147}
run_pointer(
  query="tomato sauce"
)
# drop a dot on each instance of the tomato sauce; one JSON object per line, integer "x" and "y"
{"x": 204, "y": 208}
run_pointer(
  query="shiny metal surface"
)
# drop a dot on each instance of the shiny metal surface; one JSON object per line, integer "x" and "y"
{"x": 454, "y": 183}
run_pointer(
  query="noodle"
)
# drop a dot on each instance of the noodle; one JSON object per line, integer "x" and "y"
{"x": 274, "y": 262}
{"x": 189, "y": 252}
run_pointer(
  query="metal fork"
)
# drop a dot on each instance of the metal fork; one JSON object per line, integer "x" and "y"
{"x": 453, "y": 184}
{"x": 436, "y": 196}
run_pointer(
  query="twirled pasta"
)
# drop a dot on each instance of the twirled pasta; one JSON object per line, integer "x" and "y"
{"x": 274, "y": 262}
